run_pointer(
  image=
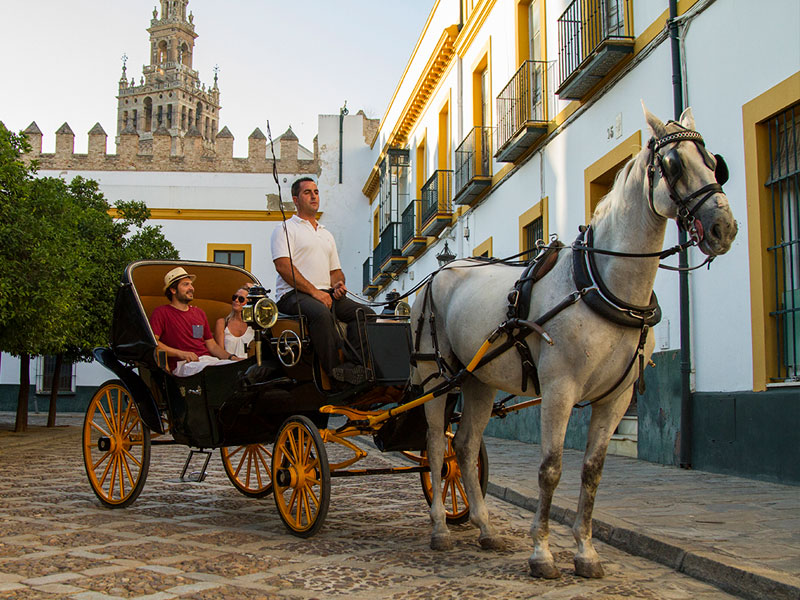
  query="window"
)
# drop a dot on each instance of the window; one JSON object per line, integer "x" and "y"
{"x": 784, "y": 246}
{"x": 229, "y": 257}
{"x": 535, "y": 30}
{"x": 484, "y": 249}
{"x": 771, "y": 127}
{"x": 533, "y": 226}
{"x": 599, "y": 177}
{"x": 44, "y": 376}
{"x": 237, "y": 255}
{"x": 532, "y": 232}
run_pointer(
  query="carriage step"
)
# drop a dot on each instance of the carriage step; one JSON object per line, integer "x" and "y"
{"x": 195, "y": 476}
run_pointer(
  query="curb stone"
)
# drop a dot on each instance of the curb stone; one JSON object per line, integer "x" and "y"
{"x": 700, "y": 565}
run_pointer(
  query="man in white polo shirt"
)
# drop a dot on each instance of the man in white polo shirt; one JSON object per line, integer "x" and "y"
{"x": 316, "y": 282}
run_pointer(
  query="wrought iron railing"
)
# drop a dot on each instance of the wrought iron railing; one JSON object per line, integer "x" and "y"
{"x": 473, "y": 157}
{"x": 366, "y": 273}
{"x": 387, "y": 246}
{"x": 408, "y": 226}
{"x": 437, "y": 194}
{"x": 529, "y": 96}
{"x": 585, "y": 25}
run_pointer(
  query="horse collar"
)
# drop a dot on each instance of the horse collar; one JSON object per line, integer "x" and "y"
{"x": 596, "y": 294}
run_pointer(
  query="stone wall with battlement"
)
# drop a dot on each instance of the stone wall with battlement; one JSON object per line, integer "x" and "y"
{"x": 161, "y": 151}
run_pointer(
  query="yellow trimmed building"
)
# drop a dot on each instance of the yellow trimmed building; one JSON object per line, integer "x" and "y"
{"x": 509, "y": 124}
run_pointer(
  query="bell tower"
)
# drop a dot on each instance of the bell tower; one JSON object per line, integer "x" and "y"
{"x": 169, "y": 93}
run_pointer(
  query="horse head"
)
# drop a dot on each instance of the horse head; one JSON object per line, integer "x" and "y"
{"x": 685, "y": 183}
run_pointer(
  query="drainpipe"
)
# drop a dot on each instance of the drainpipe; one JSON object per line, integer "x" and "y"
{"x": 342, "y": 112}
{"x": 685, "y": 458}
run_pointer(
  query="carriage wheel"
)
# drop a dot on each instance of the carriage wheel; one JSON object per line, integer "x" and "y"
{"x": 454, "y": 496}
{"x": 301, "y": 476}
{"x": 249, "y": 468}
{"x": 116, "y": 446}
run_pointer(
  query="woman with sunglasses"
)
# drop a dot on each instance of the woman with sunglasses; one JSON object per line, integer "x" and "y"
{"x": 232, "y": 333}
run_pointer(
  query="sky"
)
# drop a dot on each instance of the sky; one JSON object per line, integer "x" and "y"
{"x": 286, "y": 61}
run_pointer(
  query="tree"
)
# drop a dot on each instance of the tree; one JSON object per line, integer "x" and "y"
{"x": 37, "y": 295}
{"x": 61, "y": 256}
{"x": 106, "y": 247}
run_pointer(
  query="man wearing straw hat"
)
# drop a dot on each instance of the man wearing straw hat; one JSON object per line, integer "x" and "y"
{"x": 182, "y": 330}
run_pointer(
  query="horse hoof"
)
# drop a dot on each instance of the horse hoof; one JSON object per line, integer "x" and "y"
{"x": 544, "y": 569}
{"x": 492, "y": 543}
{"x": 591, "y": 569}
{"x": 441, "y": 542}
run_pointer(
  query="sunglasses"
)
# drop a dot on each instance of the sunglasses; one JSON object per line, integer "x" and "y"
{"x": 241, "y": 299}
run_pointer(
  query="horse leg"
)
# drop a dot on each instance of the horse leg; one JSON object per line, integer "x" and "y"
{"x": 478, "y": 401}
{"x": 554, "y": 419}
{"x": 605, "y": 418}
{"x": 434, "y": 414}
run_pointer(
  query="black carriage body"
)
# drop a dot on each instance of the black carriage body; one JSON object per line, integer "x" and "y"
{"x": 216, "y": 407}
{"x": 221, "y": 405}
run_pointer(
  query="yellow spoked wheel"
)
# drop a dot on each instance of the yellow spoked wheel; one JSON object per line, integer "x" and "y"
{"x": 454, "y": 496}
{"x": 301, "y": 476}
{"x": 116, "y": 446}
{"x": 249, "y": 468}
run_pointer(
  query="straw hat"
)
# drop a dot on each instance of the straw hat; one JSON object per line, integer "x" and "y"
{"x": 176, "y": 274}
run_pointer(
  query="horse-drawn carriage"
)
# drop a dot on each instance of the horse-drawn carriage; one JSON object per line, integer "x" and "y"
{"x": 270, "y": 415}
{"x": 598, "y": 305}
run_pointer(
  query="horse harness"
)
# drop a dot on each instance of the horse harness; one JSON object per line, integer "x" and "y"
{"x": 589, "y": 285}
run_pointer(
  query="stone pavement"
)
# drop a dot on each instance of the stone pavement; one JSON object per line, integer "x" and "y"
{"x": 206, "y": 541}
{"x": 739, "y": 534}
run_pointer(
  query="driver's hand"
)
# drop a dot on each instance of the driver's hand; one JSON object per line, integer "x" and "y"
{"x": 324, "y": 297}
{"x": 339, "y": 290}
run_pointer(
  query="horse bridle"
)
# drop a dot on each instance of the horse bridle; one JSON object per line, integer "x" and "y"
{"x": 670, "y": 167}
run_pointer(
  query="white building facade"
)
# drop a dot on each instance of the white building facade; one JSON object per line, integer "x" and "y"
{"x": 509, "y": 124}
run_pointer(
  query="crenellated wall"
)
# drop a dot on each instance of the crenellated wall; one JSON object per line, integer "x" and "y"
{"x": 162, "y": 151}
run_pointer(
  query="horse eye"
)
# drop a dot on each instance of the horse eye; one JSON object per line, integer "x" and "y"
{"x": 672, "y": 167}
{"x": 721, "y": 170}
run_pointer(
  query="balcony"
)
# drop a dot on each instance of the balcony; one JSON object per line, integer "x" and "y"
{"x": 435, "y": 205}
{"x": 412, "y": 242}
{"x": 367, "y": 287}
{"x": 524, "y": 108}
{"x": 387, "y": 255}
{"x": 473, "y": 172}
{"x": 594, "y": 36}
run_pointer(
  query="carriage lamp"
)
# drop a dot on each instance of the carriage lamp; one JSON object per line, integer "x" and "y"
{"x": 403, "y": 309}
{"x": 265, "y": 313}
{"x": 445, "y": 256}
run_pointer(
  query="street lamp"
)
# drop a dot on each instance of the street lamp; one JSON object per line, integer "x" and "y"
{"x": 445, "y": 256}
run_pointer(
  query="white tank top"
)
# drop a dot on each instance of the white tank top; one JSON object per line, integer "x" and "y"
{"x": 237, "y": 345}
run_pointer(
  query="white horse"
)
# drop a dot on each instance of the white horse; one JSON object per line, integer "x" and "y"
{"x": 592, "y": 358}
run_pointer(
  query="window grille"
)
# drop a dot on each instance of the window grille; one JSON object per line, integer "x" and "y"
{"x": 230, "y": 257}
{"x": 44, "y": 379}
{"x": 533, "y": 231}
{"x": 784, "y": 191}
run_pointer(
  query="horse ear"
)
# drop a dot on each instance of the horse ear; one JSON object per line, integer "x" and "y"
{"x": 687, "y": 119}
{"x": 656, "y": 127}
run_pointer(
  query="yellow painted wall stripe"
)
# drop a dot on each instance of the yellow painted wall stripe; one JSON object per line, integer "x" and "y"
{"x": 201, "y": 214}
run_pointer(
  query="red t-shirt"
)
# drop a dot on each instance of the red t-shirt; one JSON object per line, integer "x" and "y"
{"x": 182, "y": 330}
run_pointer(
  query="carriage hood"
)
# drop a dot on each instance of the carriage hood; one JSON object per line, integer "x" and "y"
{"x": 141, "y": 291}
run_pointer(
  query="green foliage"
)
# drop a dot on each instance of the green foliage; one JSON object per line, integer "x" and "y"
{"x": 62, "y": 256}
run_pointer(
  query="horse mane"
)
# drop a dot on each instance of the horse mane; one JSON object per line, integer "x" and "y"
{"x": 614, "y": 195}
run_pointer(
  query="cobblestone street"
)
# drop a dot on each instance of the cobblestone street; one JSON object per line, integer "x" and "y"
{"x": 208, "y": 541}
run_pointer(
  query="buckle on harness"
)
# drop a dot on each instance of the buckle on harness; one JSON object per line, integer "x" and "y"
{"x": 513, "y": 297}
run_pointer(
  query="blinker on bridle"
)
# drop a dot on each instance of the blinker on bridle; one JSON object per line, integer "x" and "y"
{"x": 670, "y": 166}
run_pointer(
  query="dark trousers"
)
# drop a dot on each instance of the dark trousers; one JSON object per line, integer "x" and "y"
{"x": 321, "y": 326}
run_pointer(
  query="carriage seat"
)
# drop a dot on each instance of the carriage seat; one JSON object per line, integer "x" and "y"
{"x": 214, "y": 286}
